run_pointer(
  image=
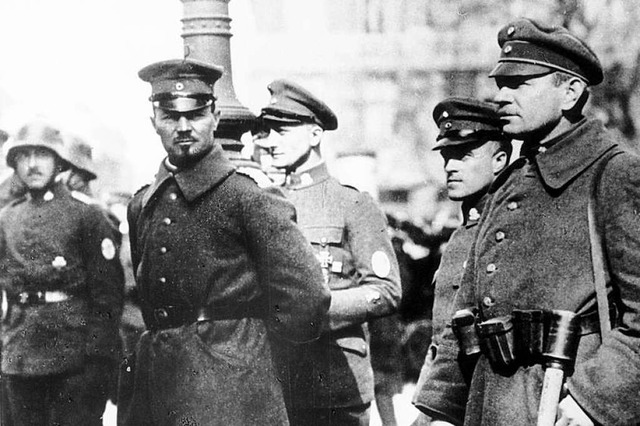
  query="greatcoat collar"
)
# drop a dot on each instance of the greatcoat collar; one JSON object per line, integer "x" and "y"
{"x": 194, "y": 181}
{"x": 563, "y": 158}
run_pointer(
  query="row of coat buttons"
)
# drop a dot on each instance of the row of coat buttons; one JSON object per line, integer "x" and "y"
{"x": 488, "y": 301}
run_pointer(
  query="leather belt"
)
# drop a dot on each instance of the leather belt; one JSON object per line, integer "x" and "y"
{"x": 590, "y": 322}
{"x": 171, "y": 316}
{"x": 40, "y": 297}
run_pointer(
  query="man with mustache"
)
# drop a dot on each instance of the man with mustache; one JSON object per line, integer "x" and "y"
{"x": 330, "y": 381}
{"x": 562, "y": 219}
{"x": 63, "y": 287}
{"x": 221, "y": 268}
{"x": 475, "y": 151}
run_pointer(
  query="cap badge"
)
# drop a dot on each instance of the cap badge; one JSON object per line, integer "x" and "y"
{"x": 507, "y": 49}
{"x": 445, "y": 114}
{"x": 179, "y": 85}
{"x": 511, "y": 30}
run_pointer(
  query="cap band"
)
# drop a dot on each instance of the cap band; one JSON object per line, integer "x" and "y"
{"x": 528, "y": 53}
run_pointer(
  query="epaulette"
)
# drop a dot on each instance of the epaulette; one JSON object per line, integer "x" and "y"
{"x": 82, "y": 197}
{"x": 257, "y": 175}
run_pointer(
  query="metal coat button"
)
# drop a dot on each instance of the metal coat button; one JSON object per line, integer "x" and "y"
{"x": 491, "y": 267}
{"x": 166, "y": 221}
{"x": 173, "y": 196}
{"x": 500, "y": 236}
{"x": 162, "y": 280}
{"x": 163, "y": 250}
{"x": 512, "y": 206}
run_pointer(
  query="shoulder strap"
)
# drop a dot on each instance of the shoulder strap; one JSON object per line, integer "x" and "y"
{"x": 600, "y": 269}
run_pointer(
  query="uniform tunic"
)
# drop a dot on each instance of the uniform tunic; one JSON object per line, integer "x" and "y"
{"x": 442, "y": 387}
{"x": 208, "y": 236}
{"x": 533, "y": 252}
{"x": 57, "y": 243}
{"x": 349, "y": 232}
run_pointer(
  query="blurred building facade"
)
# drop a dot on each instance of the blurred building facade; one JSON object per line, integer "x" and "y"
{"x": 383, "y": 66}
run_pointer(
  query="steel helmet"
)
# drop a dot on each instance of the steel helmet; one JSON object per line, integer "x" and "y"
{"x": 80, "y": 155}
{"x": 37, "y": 134}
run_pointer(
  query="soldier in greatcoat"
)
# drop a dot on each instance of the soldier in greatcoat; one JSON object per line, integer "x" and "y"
{"x": 330, "y": 381}
{"x": 63, "y": 291}
{"x": 475, "y": 151}
{"x": 533, "y": 250}
{"x": 221, "y": 268}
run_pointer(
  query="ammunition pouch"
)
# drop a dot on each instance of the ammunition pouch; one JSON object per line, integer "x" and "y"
{"x": 526, "y": 337}
{"x": 496, "y": 341}
{"x": 463, "y": 325}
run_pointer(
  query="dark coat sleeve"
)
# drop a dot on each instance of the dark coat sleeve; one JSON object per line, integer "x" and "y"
{"x": 287, "y": 268}
{"x": 607, "y": 385}
{"x": 105, "y": 282}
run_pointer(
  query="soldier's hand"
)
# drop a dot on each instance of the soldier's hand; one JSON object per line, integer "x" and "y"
{"x": 570, "y": 414}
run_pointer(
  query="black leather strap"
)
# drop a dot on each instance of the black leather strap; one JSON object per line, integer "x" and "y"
{"x": 171, "y": 316}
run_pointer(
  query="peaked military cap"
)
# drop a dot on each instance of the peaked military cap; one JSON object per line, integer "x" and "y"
{"x": 466, "y": 120}
{"x": 530, "y": 48}
{"x": 181, "y": 85}
{"x": 290, "y": 104}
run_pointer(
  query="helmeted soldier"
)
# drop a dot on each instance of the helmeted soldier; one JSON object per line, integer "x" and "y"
{"x": 475, "y": 151}
{"x": 330, "y": 381}
{"x": 64, "y": 291}
{"x": 220, "y": 267}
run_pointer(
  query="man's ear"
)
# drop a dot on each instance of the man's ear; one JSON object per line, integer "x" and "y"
{"x": 216, "y": 117}
{"x": 573, "y": 90}
{"x": 499, "y": 161}
{"x": 316, "y": 135}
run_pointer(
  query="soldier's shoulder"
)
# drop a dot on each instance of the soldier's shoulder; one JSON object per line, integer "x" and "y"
{"x": 256, "y": 175}
{"x": 141, "y": 190}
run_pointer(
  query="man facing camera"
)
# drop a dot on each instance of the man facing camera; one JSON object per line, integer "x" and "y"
{"x": 221, "y": 267}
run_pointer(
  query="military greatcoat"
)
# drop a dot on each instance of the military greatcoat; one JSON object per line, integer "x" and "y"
{"x": 210, "y": 237}
{"x": 533, "y": 252}
{"x": 56, "y": 243}
{"x": 349, "y": 235}
{"x": 442, "y": 387}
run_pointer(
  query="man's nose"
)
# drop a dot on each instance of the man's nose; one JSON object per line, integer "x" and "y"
{"x": 502, "y": 96}
{"x": 268, "y": 140}
{"x": 183, "y": 124}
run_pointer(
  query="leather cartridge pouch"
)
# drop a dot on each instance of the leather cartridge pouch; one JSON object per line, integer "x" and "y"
{"x": 528, "y": 335}
{"x": 463, "y": 325}
{"x": 496, "y": 340}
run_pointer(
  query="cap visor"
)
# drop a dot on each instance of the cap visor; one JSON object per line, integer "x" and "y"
{"x": 518, "y": 68}
{"x": 445, "y": 142}
{"x": 183, "y": 104}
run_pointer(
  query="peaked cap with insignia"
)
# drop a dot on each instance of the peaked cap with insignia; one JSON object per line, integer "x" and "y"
{"x": 181, "y": 85}
{"x": 531, "y": 48}
{"x": 291, "y": 104}
{"x": 466, "y": 120}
